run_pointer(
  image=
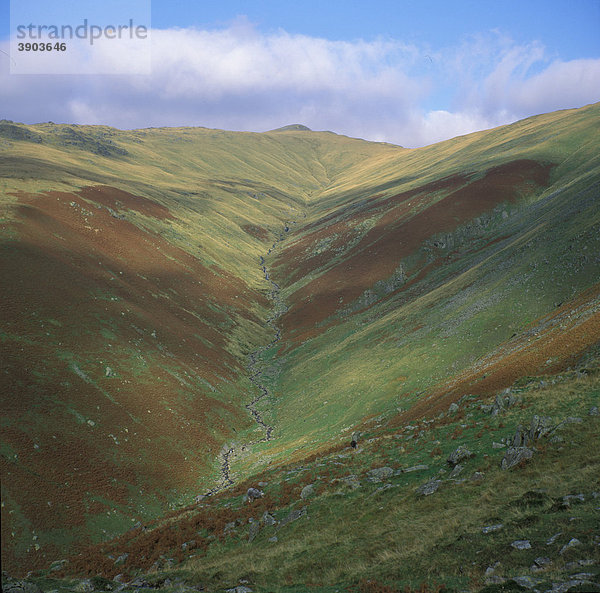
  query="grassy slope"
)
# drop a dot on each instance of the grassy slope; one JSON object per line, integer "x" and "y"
{"x": 440, "y": 301}
{"x": 363, "y": 536}
{"x": 134, "y": 295}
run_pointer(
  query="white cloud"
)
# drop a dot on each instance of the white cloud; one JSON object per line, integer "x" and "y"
{"x": 238, "y": 78}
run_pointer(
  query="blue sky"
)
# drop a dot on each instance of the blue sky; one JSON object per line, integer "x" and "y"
{"x": 569, "y": 28}
{"x": 405, "y": 71}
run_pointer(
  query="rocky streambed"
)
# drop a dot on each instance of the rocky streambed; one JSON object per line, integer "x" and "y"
{"x": 256, "y": 370}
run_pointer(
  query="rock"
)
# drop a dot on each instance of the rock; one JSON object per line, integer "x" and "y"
{"x": 292, "y": 516}
{"x": 268, "y": 519}
{"x": 20, "y": 587}
{"x": 553, "y": 538}
{"x": 121, "y": 559}
{"x": 254, "y": 529}
{"x": 572, "y": 544}
{"x": 85, "y": 586}
{"x": 583, "y": 576}
{"x": 379, "y": 474}
{"x": 307, "y": 491}
{"x": 520, "y": 438}
{"x": 429, "y": 487}
{"x": 453, "y": 408}
{"x": 477, "y": 476}
{"x": 229, "y": 528}
{"x": 253, "y": 493}
{"x": 542, "y": 561}
{"x": 586, "y": 562}
{"x": 494, "y": 580}
{"x": 492, "y": 528}
{"x": 540, "y": 427}
{"x": 521, "y": 544}
{"x": 456, "y": 471}
{"x": 263, "y": 484}
{"x": 58, "y": 565}
{"x": 514, "y": 456}
{"x": 349, "y": 481}
{"x": 572, "y": 566}
{"x": 458, "y": 455}
{"x": 526, "y": 581}
{"x": 573, "y": 420}
{"x": 573, "y": 499}
{"x": 273, "y": 539}
{"x": 496, "y": 445}
{"x": 239, "y": 589}
{"x": 414, "y": 468}
{"x": 506, "y": 399}
{"x": 594, "y": 411}
{"x": 565, "y": 586}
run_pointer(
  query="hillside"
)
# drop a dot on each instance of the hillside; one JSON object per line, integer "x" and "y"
{"x": 193, "y": 312}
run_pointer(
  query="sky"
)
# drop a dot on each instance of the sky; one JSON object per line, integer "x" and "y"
{"x": 407, "y": 72}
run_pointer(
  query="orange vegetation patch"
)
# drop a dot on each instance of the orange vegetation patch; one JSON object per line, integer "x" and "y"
{"x": 398, "y": 233}
{"x": 255, "y": 231}
{"x": 117, "y": 199}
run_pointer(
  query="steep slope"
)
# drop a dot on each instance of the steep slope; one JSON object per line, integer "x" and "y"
{"x": 452, "y": 269}
{"x": 161, "y": 280}
{"x": 132, "y": 297}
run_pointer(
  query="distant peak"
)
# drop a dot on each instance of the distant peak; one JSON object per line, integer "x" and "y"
{"x": 293, "y": 128}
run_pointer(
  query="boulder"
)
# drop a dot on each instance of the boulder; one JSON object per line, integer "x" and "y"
{"x": 414, "y": 468}
{"x": 521, "y": 544}
{"x": 254, "y": 529}
{"x": 458, "y": 455}
{"x": 307, "y": 491}
{"x": 514, "y": 456}
{"x": 379, "y": 474}
{"x": 573, "y": 543}
{"x": 293, "y": 515}
{"x": 503, "y": 400}
{"x": 456, "y": 471}
{"x": 254, "y": 493}
{"x": 268, "y": 519}
{"x": 429, "y": 487}
{"x": 492, "y": 528}
{"x": 85, "y": 586}
{"x": 526, "y": 581}
{"x": 540, "y": 427}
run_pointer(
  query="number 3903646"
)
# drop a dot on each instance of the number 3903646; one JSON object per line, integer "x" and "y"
{"x": 42, "y": 46}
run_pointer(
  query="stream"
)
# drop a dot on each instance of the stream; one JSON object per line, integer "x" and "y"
{"x": 255, "y": 370}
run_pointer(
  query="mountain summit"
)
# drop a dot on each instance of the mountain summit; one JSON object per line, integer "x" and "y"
{"x": 293, "y": 128}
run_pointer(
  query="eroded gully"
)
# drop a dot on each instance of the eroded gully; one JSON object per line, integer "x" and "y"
{"x": 255, "y": 373}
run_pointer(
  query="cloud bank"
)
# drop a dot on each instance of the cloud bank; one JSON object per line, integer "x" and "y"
{"x": 240, "y": 79}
